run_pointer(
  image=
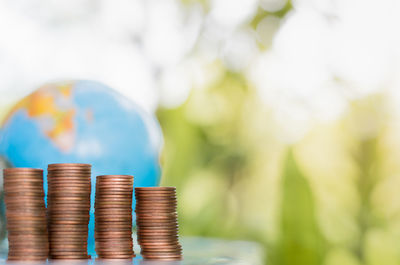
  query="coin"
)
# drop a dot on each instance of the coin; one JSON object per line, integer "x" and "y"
{"x": 161, "y": 252}
{"x": 157, "y": 195}
{"x": 154, "y": 193}
{"x": 112, "y": 198}
{"x": 65, "y": 172}
{"x": 18, "y": 239}
{"x": 120, "y": 240}
{"x": 156, "y": 222}
{"x": 116, "y": 257}
{"x": 159, "y": 226}
{"x": 27, "y": 181}
{"x": 115, "y": 177}
{"x": 149, "y": 189}
{"x": 154, "y": 238}
{"x": 67, "y": 203}
{"x": 56, "y": 207}
{"x": 76, "y": 174}
{"x": 71, "y": 181}
{"x": 68, "y": 165}
{"x": 116, "y": 180}
{"x": 154, "y": 211}
{"x": 67, "y": 234}
{"x": 149, "y": 204}
{"x": 127, "y": 252}
{"x": 69, "y": 256}
{"x": 116, "y": 242}
{"x": 155, "y": 200}
{"x": 165, "y": 246}
{"x": 162, "y": 257}
{"x": 114, "y": 187}
{"x": 105, "y": 206}
{"x": 169, "y": 208}
{"x": 19, "y": 170}
{"x": 114, "y": 192}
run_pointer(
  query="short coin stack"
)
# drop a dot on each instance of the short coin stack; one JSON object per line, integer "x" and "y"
{"x": 68, "y": 206}
{"x": 113, "y": 217}
{"x": 157, "y": 225}
{"x": 26, "y": 214}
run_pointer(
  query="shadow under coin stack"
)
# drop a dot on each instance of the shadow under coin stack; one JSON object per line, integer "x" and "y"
{"x": 157, "y": 225}
{"x": 26, "y": 214}
{"x": 113, "y": 217}
{"x": 68, "y": 206}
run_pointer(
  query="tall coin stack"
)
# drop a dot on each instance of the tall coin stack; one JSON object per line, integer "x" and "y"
{"x": 26, "y": 214}
{"x": 68, "y": 206}
{"x": 113, "y": 217}
{"x": 157, "y": 225}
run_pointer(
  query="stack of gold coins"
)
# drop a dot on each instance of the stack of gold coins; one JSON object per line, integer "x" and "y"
{"x": 26, "y": 214}
{"x": 68, "y": 206}
{"x": 157, "y": 225}
{"x": 113, "y": 217}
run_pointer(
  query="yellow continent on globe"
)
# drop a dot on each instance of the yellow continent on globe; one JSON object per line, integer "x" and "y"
{"x": 52, "y": 107}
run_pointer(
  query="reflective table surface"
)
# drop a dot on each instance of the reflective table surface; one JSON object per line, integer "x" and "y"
{"x": 196, "y": 251}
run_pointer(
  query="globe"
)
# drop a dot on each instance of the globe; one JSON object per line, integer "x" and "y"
{"x": 83, "y": 122}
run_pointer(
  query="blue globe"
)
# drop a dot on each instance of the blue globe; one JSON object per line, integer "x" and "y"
{"x": 83, "y": 122}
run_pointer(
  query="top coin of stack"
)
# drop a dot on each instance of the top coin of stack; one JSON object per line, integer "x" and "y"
{"x": 26, "y": 214}
{"x": 68, "y": 206}
{"x": 113, "y": 217}
{"x": 157, "y": 225}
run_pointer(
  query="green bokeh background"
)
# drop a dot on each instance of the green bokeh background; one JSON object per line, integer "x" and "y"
{"x": 330, "y": 198}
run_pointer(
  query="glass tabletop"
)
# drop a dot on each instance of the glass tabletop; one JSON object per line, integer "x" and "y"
{"x": 196, "y": 250}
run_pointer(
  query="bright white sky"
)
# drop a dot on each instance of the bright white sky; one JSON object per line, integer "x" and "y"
{"x": 327, "y": 53}
{"x": 128, "y": 44}
{"x": 324, "y": 52}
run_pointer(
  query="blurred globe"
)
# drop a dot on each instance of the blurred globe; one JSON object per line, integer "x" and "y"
{"x": 83, "y": 122}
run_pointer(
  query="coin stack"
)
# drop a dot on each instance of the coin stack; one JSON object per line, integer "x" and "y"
{"x": 68, "y": 206}
{"x": 113, "y": 217}
{"x": 26, "y": 214}
{"x": 157, "y": 225}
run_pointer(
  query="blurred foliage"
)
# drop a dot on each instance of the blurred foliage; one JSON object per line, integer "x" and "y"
{"x": 330, "y": 198}
{"x": 300, "y": 241}
{"x": 261, "y": 14}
